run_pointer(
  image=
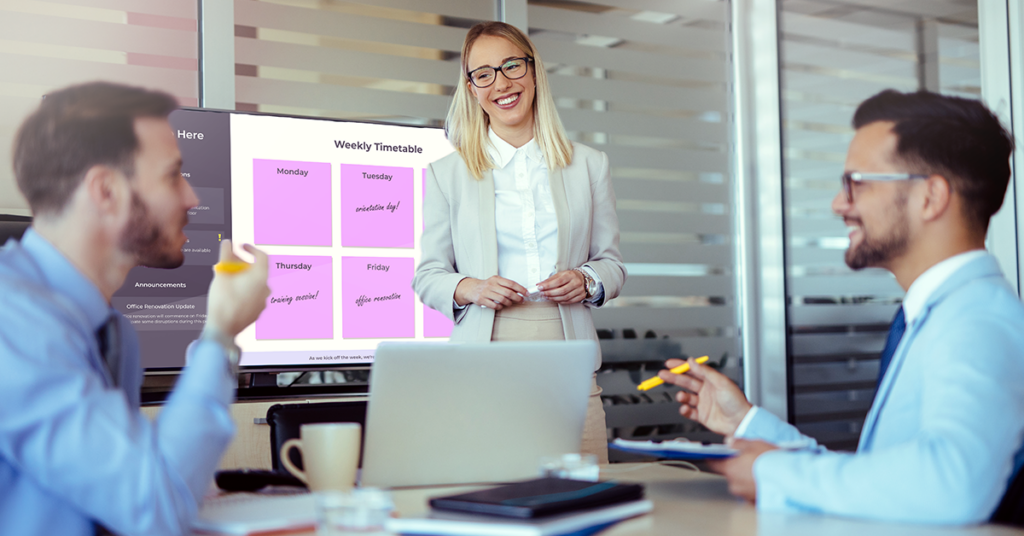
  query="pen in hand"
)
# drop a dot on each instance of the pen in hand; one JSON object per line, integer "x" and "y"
{"x": 230, "y": 267}
{"x": 656, "y": 381}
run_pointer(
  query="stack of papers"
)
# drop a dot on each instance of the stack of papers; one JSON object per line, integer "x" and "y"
{"x": 253, "y": 513}
{"x": 675, "y": 450}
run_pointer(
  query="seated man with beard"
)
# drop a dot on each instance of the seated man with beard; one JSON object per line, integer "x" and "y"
{"x": 101, "y": 170}
{"x": 924, "y": 174}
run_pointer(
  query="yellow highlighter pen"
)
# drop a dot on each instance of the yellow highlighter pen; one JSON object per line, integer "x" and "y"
{"x": 230, "y": 267}
{"x": 656, "y": 381}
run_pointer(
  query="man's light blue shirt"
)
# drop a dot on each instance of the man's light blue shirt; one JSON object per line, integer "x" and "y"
{"x": 75, "y": 451}
{"x": 944, "y": 433}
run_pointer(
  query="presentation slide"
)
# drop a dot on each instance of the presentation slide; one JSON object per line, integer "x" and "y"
{"x": 338, "y": 207}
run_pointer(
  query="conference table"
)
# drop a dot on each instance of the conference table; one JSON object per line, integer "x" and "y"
{"x": 699, "y": 504}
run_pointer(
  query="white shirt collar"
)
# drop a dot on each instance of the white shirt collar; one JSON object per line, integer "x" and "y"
{"x": 502, "y": 152}
{"x": 928, "y": 282}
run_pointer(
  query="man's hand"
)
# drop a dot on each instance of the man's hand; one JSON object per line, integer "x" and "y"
{"x": 237, "y": 299}
{"x": 494, "y": 292}
{"x": 714, "y": 400}
{"x": 739, "y": 470}
{"x": 567, "y": 286}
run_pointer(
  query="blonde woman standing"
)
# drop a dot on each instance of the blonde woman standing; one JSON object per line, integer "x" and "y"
{"x": 518, "y": 206}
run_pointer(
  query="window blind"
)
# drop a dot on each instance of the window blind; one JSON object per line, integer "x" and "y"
{"x": 45, "y": 45}
{"x": 648, "y": 83}
{"x": 387, "y": 60}
{"x": 833, "y": 55}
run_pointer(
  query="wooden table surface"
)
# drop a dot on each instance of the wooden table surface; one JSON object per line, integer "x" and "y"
{"x": 699, "y": 504}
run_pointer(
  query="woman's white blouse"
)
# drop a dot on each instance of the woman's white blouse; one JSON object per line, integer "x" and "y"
{"x": 524, "y": 212}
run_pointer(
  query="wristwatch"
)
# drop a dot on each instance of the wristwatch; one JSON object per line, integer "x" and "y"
{"x": 589, "y": 284}
{"x": 231, "y": 350}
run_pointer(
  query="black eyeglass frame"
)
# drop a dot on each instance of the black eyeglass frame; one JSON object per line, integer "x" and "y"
{"x": 500, "y": 69}
{"x": 850, "y": 177}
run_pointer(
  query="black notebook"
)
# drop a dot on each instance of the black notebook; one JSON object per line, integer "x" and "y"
{"x": 540, "y": 497}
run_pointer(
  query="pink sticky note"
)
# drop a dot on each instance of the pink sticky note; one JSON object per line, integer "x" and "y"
{"x": 301, "y": 303}
{"x": 435, "y": 324}
{"x": 291, "y": 202}
{"x": 378, "y": 298}
{"x": 376, "y": 206}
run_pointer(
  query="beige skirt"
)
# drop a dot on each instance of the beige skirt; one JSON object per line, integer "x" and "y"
{"x": 540, "y": 321}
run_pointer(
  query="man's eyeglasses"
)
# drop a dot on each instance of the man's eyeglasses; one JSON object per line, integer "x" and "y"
{"x": 513, "y": 69}
{"x": 850, "y": 178}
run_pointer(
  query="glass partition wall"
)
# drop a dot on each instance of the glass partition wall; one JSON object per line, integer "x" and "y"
{"x": 649, "y": 84}
{"x": 52, "y": 44}
{"x": 833, "y": 55}
{"x": 394, "y": 61}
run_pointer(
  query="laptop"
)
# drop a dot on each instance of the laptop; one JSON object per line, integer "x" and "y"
{"x": 473, "y": 412}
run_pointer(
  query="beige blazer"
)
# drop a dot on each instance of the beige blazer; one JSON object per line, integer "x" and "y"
{"x": 460, "y": 240}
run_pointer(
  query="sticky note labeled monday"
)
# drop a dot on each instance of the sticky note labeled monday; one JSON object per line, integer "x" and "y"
{"x": 291, "y": 202}
{"x": 301, "y": 303}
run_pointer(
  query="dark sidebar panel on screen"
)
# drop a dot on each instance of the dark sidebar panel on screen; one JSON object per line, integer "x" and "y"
{"x": 168, "y": 307}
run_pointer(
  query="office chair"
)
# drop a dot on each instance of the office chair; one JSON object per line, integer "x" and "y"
{"x": 1011, "y": 508}
{"x": 286, "y": 419}
{"x": 12, "y": 226}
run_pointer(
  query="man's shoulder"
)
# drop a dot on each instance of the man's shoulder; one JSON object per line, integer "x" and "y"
{"x": 980, "y": 313}
{"x": 24, "y": 287}
{"x": 985, "y": 296}
{"x": 17, "y": 269}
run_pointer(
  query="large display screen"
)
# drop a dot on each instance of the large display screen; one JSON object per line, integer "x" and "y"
{"x": 336, "y": 205}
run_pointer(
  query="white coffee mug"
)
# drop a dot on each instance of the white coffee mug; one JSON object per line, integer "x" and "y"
{"x": 330, "y": 455}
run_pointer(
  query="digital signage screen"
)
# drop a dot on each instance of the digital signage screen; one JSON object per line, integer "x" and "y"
{"x": 337, "y": 206}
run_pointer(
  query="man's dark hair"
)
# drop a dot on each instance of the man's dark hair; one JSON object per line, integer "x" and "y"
{"x": 957, "y": 138}
{"x": 75, "y": 129}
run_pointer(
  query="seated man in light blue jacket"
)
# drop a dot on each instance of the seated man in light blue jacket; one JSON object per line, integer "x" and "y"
{"x": 101, "y": 170}
{"x": 924, "y": 174}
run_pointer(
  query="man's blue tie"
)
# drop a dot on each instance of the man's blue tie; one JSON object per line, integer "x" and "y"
{"x": 109, "y": 336}
{"x": 899, "y": 325}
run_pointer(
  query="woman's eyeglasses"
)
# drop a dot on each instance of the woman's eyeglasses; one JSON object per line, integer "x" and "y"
{"x": 851, "y": 177}
{"x": 513, "y": 69}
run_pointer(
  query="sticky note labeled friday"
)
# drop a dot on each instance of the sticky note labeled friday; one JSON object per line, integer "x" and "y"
{"x": 377, "y": 299}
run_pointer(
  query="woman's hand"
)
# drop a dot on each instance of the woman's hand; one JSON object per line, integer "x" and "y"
{"x": 494, "y": 292}
{"x": 566, "y": 287}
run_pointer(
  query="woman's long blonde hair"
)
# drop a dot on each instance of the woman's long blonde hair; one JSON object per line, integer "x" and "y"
{"x": 466, "y": 125}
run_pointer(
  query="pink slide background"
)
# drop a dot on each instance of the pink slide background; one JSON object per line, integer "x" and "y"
{"x": 291, "y": 209}
{"x": 305, "y": 319}
{"x": 377, "y": 228}
{"x": 377, "y": 319}
{"x": 435, "y": 324}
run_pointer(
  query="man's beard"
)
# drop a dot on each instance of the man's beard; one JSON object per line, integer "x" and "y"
{"x": 880, "y": 250}
{"x": 143, "y": 239}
